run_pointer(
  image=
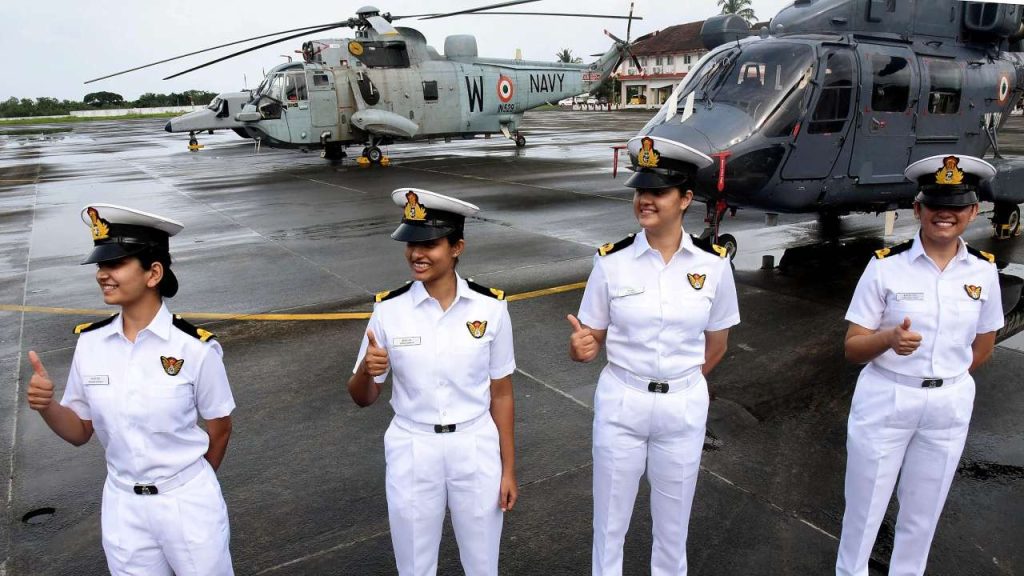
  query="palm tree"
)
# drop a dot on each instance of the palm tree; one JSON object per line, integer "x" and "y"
{"x": 565, "y": 55}
{"x": 740, "y": 8}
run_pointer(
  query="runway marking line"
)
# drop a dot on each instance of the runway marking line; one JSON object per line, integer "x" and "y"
{"x": 324, "y": 316}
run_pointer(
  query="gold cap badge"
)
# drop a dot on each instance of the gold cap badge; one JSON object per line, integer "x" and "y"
{"x": 973, "y": 291}
{"x": 648, "y": 157}
{"x": 477, "y": 328}
{"x": 100, "y": 230}
{"x": 950, "y": 173}
{"x": 413, "y": 209}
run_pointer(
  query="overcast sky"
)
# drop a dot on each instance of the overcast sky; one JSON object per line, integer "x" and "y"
{"x": 53, "y": 46}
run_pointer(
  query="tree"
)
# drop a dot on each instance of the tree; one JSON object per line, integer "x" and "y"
{"x": 100, "y": 99}
{"x": 565, "y": 55}
{"x": 741, "y": 8}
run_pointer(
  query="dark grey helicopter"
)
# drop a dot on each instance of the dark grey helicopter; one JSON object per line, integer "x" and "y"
{"x": 825, "y": 109}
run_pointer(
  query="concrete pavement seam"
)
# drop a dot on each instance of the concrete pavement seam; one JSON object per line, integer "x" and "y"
{"x": 321, "y": 552}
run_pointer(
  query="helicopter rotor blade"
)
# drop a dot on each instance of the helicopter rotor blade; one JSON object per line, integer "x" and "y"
{"x": 479, "y": 8}
{"x": 629, "y": 25}
{"x": 264, "y": 45}
{"x": 614, "y": 37}
{"x": 573, "y": 14}
{"x": 382, "y": 26}
{"x": 201, "y": 51}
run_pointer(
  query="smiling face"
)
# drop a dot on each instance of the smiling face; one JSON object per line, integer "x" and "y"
{"x": 124, "y": 282}
{"x": 941, "y": 224}
{"x": 432, "y": 259}
{"x": 660, "y": 209}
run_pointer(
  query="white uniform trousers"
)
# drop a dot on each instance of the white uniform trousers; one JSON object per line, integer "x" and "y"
{"x": 183, "y": 531}
{"x": 426, "y": 472}
{"x": 913, "y": 433}
{"x": 634, "y": 430}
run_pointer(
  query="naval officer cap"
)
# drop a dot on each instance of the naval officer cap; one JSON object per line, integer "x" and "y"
{"x": 949, "y": 180}
{"x": 119, "y": 232}
{"x": 428, "y": 215}
{"x": 662, "y": 163}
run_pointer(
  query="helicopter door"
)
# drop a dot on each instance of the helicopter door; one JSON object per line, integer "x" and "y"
{"x": 885, "y": 134}
{"x": 818, "y": 143}
{"x": 939, "y": 119}
{"x": 296, "y": 100}
{"x": 323, "y": 101}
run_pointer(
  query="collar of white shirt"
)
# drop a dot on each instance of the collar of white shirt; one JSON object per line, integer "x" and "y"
{"x": 917, "y": 249}
{"x": 160, "y": 325}
{"x": 419, "y": 293}
{"x": 641, "y": 245}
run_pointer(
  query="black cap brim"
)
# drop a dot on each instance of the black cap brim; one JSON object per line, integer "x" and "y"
{"x": 412, "y": 233}
{"x": 113, "y": 251}
{"x": 946, "y": 199}
{"x": 652, "y": 180}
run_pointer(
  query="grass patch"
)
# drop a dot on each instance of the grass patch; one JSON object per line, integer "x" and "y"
{"x": 75, "y": 119}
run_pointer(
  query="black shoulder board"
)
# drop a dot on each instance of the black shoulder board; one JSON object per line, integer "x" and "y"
{"x": 492, "y": 292}
{"x": 890, "y": 251}
{"x": 983, "y": 255}
{"x": 389, "y": 294}
{"x": 94, "y": 325}
{"x": 611, "y": 248}
{"x": 191, "y": 330}
{"x": 707, "y": 245}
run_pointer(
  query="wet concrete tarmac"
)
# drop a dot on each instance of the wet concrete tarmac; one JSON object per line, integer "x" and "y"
{"x": 283, "y": 231}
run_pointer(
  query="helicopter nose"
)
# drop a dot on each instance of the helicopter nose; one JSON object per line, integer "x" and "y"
{"x": 167, "y": 126}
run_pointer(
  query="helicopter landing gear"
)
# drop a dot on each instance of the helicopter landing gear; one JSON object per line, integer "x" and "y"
{"x": 193, "y": 142}
{"x": 373, "y": 154}
{"x": 713, "y": 221}
{"x": 333, "y": 151}
{"x": 1006, "y": 221}
{"x": 520, "y": 140}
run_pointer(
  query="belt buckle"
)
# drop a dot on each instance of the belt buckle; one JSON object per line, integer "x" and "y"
{"x": 931, "y": 383}
{"x": 146, "y": 489}
{"x": 657, "y": 386}
{"x": 444, "y": 428}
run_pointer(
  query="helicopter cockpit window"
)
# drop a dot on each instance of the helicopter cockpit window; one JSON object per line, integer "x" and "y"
{"x": 215, "y": 104}
{"x": 321, "y": 80}
{"x": 836, "y": 95}
{"x": 945, "y": 81}
{"x": 890, "y": 88}
{"x": 295, "y": 87}
{"x": 390, "y": 54}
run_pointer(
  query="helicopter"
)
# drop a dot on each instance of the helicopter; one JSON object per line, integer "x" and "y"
{"x": 387, "y": 84}
{"x": 219, "y": 114}
{"x": 822, "y": 111}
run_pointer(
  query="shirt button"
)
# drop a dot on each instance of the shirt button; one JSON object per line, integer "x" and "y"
{"x": 444, "y": 413}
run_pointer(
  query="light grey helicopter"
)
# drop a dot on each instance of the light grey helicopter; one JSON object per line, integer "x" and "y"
{"x": 218, "y": 115}
{"x": 825, "y": 109}
{"x": 387, "y": 84}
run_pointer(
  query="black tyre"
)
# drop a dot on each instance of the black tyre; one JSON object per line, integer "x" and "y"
{"x": 373, "y": 154}
{"x": 728, "y": 241}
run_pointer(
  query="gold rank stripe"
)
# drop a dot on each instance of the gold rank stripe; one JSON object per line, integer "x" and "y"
{"x": 323, "y": 316}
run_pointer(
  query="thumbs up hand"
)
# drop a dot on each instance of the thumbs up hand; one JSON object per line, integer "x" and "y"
{"x": 40, "y": 387}
{"x": 375, "y": 362}
{"x": 903, "y": 340}
{"x": 583, "y": 347}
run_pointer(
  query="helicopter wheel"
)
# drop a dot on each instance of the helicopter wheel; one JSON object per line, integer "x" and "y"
{"x": 373, "y": 154}
{"x": 1006, "y": 221}
{"x": 728, "y": 241}
{"x": 520, "y": 140}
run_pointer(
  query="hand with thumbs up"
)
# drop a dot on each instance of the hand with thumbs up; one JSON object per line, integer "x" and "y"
{"x": 583, "y": 346}
{"x": 40, "y": 387}
{"x": 375, "y": 362}
{"x": 903, "y": 340}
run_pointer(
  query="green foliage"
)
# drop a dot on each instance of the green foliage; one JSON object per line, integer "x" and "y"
{"x": 565, "y": 55}
{"x": 25, "y": 107}
{"x": 741, "y": 8}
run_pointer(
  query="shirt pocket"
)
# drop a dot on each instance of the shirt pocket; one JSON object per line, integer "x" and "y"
{"x": 471, "y": 358}
{"x": 168, "y": 408}
{"x": 967, "y": 315}
{"x": 102, "y": 405}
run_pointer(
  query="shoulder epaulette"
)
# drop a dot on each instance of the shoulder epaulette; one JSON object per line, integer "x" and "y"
{"x": 389, "y": 294}
{"x": 991, "y": 258}
{"x": 492, "y": 292}
{"x": 892, "y": 250}
{"x": 181, "y": 324}
{"x": 707, "y": 245}
{"x": 93, "y": 325}
{"x": 611, "y": 248}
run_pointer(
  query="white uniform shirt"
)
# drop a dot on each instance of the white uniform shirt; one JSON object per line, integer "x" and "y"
{"x": 442, "y": 372}
{"x": 655, "y": 316}
{"x": 144, "y": 417}
{"x": 938, "y": 303}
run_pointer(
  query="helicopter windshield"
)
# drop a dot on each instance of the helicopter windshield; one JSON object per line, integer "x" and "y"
{"x": 215, "y": 104}
{"x": 272, "y": 86}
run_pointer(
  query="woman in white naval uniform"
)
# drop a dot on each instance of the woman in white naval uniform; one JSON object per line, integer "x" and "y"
{"x": 923, "y": 317}
{"x": 662, "y": 303}
{"x": 139, "y": 380}
{"x": 449, "y": 344}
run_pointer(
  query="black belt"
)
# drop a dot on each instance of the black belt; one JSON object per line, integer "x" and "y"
{"x": 145, "y": 489}
{"x": 931, "y": 383}
{"x": 659, "y": 387}
{"x": 444, "y": 428}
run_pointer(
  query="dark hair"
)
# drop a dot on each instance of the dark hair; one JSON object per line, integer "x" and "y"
{"x": 169, "y": 284}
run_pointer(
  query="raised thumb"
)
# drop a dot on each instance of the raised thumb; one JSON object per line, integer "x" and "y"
{"x": 574, "y": 323}
{"x": 906, "y": 323}
{"x": 372, "y": 338}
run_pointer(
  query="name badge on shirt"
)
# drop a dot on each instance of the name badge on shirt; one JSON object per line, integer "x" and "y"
{"x": 97, "y": 380}
{"x": 405, "y": 341}
{"x": 909, "y": 296}
{"x": 629, "y": 291}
